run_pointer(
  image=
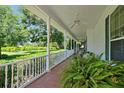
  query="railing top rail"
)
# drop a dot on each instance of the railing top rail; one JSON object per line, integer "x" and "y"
{"x": 58, "y": 52}
{"x": 19, "y": 61}
{"x": 22, "y": 60}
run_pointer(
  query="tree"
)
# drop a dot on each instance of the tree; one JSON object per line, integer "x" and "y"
{"x": 11, "y": 32}
{"x": 36, "y": 27}
{"x": 7, "y": 21}
{"x": 17, "y": 37}
{"x": 57, "y": 36}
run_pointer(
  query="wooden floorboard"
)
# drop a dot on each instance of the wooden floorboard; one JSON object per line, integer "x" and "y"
{"x": 52, "y": 78}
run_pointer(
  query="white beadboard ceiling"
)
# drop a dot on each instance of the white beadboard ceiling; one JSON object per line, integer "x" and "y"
{"x": 66, "y": 14}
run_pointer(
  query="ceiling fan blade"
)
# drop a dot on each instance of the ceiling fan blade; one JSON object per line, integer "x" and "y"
{"x": 76, "y": 21}
{"x": 72, "y": 25}
{"x": 76, "y": 16}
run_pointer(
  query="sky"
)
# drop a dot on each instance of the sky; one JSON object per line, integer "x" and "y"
{"x": 16, "y": 9}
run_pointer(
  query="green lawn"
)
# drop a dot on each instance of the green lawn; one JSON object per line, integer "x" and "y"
{"x": 20, "y": 55}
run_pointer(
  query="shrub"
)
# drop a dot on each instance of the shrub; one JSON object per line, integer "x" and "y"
{"x": 9, "y": 49}
{"x": 2, "y": 76}
{"x": 23, "y": 48}
{"x": 4, "y": 56}
{"x": 53, "y": 49}
{"x": 92, "y": 72}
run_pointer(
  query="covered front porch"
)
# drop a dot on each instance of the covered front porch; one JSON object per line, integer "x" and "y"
{"x": 86, "y": 27}
{"x": 23, "y": 72}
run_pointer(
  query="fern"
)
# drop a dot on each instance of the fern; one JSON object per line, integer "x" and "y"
{"x": 91, "y": 72}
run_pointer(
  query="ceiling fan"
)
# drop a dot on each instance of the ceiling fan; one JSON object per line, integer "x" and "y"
{"x": 76, "y": 21}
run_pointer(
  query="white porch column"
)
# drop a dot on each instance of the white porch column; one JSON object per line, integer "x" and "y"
{"x": 76, "y": 46}
{"x": 64, "y": 40}
{"x": 65, "y": 43}
{"x": 71, "y": 43}
{"x": 48, "y": 44}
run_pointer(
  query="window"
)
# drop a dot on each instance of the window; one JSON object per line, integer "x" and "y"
{"x": 117, "y": 50}
{"x": 117, "y": 34}
{"x": 117, "y": 23}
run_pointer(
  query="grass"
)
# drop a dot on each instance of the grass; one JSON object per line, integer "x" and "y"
{"x": 20, "y": 55}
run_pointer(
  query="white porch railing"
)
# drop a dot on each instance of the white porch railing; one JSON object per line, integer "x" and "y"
{"x": 21, "y": 73}
{"x": 69, "y": 52}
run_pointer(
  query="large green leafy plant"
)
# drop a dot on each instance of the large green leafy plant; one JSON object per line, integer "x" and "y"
{"x": 90, "y": 71}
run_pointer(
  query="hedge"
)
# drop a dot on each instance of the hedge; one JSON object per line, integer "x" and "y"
{"x": 24, "y": 48}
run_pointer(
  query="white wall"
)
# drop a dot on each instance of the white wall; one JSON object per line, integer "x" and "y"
{"x": 96, "y": 37}
{"x": 90, "y": 45}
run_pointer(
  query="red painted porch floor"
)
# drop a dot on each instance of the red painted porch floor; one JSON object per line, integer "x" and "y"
{"x": 52, "y": 78}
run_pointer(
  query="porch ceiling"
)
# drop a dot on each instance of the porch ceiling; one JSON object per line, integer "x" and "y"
{"x": 66, "y": 14}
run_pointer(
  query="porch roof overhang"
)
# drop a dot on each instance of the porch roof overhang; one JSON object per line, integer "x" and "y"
{"x": 63, "y": 16}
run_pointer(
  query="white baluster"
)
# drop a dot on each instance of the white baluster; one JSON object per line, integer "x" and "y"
{"x": 12, "y": 75}
{"x": 29, "y": 68}
{"x": 22, "y": 76}
{"x": 42, "y": 64}
{"x": 45, "y": 64}
{"x": 26, "y": 74}
{"x": 6, "y": 75}
{"x": 35, "y": 66}
{"x": 17, "y": 76}
{"x": 38, "y": 65}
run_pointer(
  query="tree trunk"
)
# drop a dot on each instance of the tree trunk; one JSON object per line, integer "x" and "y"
{"x": 0, "y": 53}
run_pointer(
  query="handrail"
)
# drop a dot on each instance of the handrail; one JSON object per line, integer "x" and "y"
{"x": 58, "y": 52}
{"x": 25, "y": 71}
{"x": 18, "y": 61}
